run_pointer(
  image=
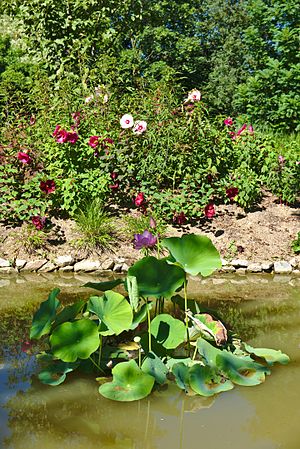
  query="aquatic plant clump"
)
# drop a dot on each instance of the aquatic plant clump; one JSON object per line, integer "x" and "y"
{"x": 132, "y": 342}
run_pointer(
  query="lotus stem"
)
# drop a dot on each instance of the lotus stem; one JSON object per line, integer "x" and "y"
{"x": 96, "y": 364}
{"x": 100, "y": 349}
{"x": 149, "y": 328}
{"x": 186, "y": 319}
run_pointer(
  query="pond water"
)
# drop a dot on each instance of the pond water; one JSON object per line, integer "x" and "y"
{"x": 264, "y": 310}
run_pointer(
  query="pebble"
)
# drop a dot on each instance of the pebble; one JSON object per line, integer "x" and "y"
{"x": 20, "y": 263}
{"x": 64, "y": 261}
{"x": 228, "y": 269}
{"x": 282, "y": 266}
{"x": 48, "y": 267}
{"x": 254, "y": 268}
{"x": 108, "y": 264}
{"x": 267, "y": 266}
{"x": 87, "y": 265}
{"x": 4, "y": 263}
{"x": 239, "y": 263}
{"x": 66, "y": 269}
{"x": 118, "y": 267}
{"x": 34, "y": 265}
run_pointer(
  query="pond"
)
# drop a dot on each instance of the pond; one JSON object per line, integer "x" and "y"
{"x": 264, "y": 310}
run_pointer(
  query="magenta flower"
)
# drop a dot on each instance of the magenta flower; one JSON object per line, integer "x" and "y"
{"x": 194, "y": 95}
{"x": 228, "y": 121}
{"x": 250, "y": 129}
{"x": 180, "y": 218}
{"x": 126, "y": 121}
{"x": 139, "y": 127}
{"x": 145, "y": 240}
{"x": 47, "y": 186}
{"x": 114, "y": 175}
{"x": 94, "y": 141}
{"x": 139, "y": 200}
{"x": 209, "y": 210}
{"x": 281, "y": 159}
{"x": 38, "y": 222}
{"x": 232, "y": 192}
{"x": 114, "y": 186}
{"x": 32, "y": 120}
{"x": 61, "y": 136}
{"x": 239, "y": 132}
{"x": 152, "y": 223}
{"x": 24, "y": 158}
{"x": 72, "y": 137}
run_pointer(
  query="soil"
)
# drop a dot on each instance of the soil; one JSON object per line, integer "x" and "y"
{"x": 262, "y": 234}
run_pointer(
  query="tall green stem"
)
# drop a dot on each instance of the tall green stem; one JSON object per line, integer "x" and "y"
{"x": 149, "y": 328}
{"x": 100, "y": 349}
{"x": 186, "y": 319}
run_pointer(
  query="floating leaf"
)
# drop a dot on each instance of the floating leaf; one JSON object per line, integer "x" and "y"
{"x": 168, "y": 331}
{"x": 103, "y": 286}
{"x": 208, "y": 352}
{"x": 70, "y": 341}
{"x": 113, "y": 310}
{"x": 210, "y": 328}
{"x": 56, "y": 373}
{"x": 129, "y": 383}
{"x": 42, "y": 319}
{"x": 172, "y": 361}
{"x": 194, "y": 253}
{"x": 271, "y": 356}
{"x": 155, "y": 277}
{"x": 155, "y": 367}
{"x": 133, "y": 292}
{"x": 69, "y": 313}
{"x": 181, "y": 373}
{"x": 205, "y": 381}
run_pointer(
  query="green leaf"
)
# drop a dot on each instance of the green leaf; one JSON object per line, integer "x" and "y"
{"x": 205, "y": 381}
{"x": 194, "y": 253}
{"x": 56, "y": 373}
{"x": 141, "y": 315}
{"x": 69, "y": 313}
{"x": 103, "y": 286}
{"x": 42, "y": 319}
{"x": 133, "y": 292}
{"x": 168, "y": 331}
{"x": 209, "y": 328}
{"x": 271, "y": 356}
{"x": 70, "y": 341}
{"x": 208, "y": 352}
{"x": 155, "y": 367}
{"x": 181, "y": 373}
{"x": 113, "y": 310}
{"x": 156, "y": 277}
{"x": 129, "y": 383}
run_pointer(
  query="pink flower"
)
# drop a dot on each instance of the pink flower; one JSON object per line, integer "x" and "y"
{"x": 32, "y": 120}
{"x": 194, "y": 95}
{"x": 114, "y": 175}
{"x": 209, "y": 210}
{"x": 61, "y": 135}
{"x": 180, "y": 218}
{"x": 140, "y": 127}
{"x": 88, "y": 99}
{"x": 26, "y": 346}
{"x": 72, "y": 137}
{"x": 55, "y": 132}
{"x": 281, "y": 159}
{"x": 126, "y": 121}
{"x": 228, "y": 121}
{"x": 239, "y": 132}
{"x": 76, "y": 117}
{"x": 152, "y": 223}
{"x": 38, "y": 222}
{"x": 139, "y": 200}
{"x": 94, "y": 141}
{"x": 24, "y": 158}
{"x": 232, "y": 192}
{"x": 47, "y": 186}
{"x": 250, "y": 129}
{"x": 114, "y": 186}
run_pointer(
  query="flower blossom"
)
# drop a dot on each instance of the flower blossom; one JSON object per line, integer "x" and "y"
{"x": 194, "y": 95}
{"x": 139, "y": 127}
{"x": 228, "y": 121}
{"x": 139, "y": 200}
{"x": 145, "y": 240}
{"x": 114, "y": 177}
{"x": 72, "y": 137}
{"x": 180, "y": 218}
{"x": 126, "y": 121}
{"x": 38, "y": 222}
{"x": 232, "y": 192}
{"x": 209, "y": 210}
{"x": 250, "y": 129}
{"x": 24, "y": 158}
{"x": 94, "y": 141}
{"x": 63, "y": 136}
{"x": 281, "y": 159}
{"x": 47, "y": 186}
{"x": 89, "y": 99}
{"x": 239, "y": 132}
{"x": 152, "y": 223}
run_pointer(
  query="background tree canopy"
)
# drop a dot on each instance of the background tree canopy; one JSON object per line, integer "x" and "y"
{"x": 242, "y": 54}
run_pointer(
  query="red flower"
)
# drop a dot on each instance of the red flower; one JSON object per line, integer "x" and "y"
{"x": 56, "y": 131}
{"x": 239, "y": 132}
{"x": 209, "y": 210}
{"x": 38, "y": 222}
{"x": 72, "y": 137}
{"x": 63, "y": 136}
{"x": 232, "y": 192}
{"x": 47, "y": 186}
{"x": 114, "y": 186}
{"x": 179, "y": 219}
{"x": 228, "y": 121}
{"x": 24, "y": 158}
{"x": 140, "y": 199}
{"x": 114, "y": 175}
{"x": 94, "y": 141}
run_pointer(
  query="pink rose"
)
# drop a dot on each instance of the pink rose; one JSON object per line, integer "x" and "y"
{"x": 94, "y": 141}
{"x": 24, "y": 158}
{"x": 48, "y": 186}
{"x": 72, "y": 137}
{"x": 140, "y": 199}
{"x": 139, "y": 127}
{"x": 126, "y": 121}
{"x": 228, "y": 121}
{"x": 209, "y": 210}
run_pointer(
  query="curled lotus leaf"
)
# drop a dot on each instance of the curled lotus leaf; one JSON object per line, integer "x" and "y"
{"x": 56, "y": 373}
{"x": 103, "y": 286}
{"x": 271, "y": 356}
{"x": 168, "y": 331}
{"x": 206, "y": 381}
{"x": 196, "y": 254}
{"x": 77, "y": 340}
{"x": 154, "y": 366}
{"x": 45, "y": 315}
{"x": 155, "y": 277}
{"x": 181, "y": 374}
{"x": 69, "y": 313}
{"x": 129, "y": 383}
{"x": 209, "y": 328}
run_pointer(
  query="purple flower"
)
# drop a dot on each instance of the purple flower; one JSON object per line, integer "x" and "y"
{"x": 145, "y": 240}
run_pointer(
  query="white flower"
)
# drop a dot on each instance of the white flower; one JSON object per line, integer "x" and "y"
{"x": 139, "y": 127}
{"x": 88, "y": 99}
{"x": 126, "y": 121}
{"x": 194, "y": 95}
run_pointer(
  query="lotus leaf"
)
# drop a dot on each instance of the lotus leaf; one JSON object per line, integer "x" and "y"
{"x": 45, "y": 315}
{"x": 210, "y": 328}
{"x": 271, "y": 356}
{"x": 181, "y": 373}
{"x": 133, "y": 292}
{"x": 70, "y": 341}
{"x": 103, "y": 286}
{"x": 205, "y": 381}
{"x": 141, "y": 315}
{"x": 69, "y": 313}
{"x": 113, "y": 310}
{"x": 168, "y": 331}
{"x": 154, "y": 366}
{"x": 56, "y": 373}
{"x": 129, "y": 383}
{"x": 208, "y": 352}
{"x": 194, "y": 253}
{"x": 155, "y": 277}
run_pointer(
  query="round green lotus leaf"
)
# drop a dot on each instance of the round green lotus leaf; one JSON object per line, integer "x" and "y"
{"x": 129, "y": 383}
{"x": 155, "y": 277}
{"x": 205, "y": 381}
{"x": 271, "y": 356}
{"x": 196, "y": 254}
{"x": 168, "y": 331}
{"x": 56, "y": 373}
{"x": 70, "y": 341}
{"x": 113, "y": 310}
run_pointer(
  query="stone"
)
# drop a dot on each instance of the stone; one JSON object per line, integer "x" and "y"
{"x": 239, "y": 263}
{"x": 125, "y": 267}
{"x": 228, "y": 269}
{"x": 224, "y": 262}
{"x": 282, "y": 266}
{"x": 254, "y": 268}
{"x": 7, "y": 270}
{"x": 4, "y": 263}
{"x": 107, "y": 264}
{"x": 267, "y": 266}
{"x": 4, "y": 282}
{"x": 294, "y": 262}
{"x": 118, "y": 267}
{"x": 121, "y": 260}
{"x": 87, "y": 265}
{"x": 241, "y": 271}
{"x": 48, "y": 267}
{"x": 20, "y": 263}
{"x": 66, "y": 269}
{"x": 296, "y": 272}
{"x": 34, "y": 265}
{"x": 64, "y": 261}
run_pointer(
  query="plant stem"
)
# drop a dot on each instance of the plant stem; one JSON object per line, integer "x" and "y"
{"x": 186, "y": 317}
{"x": 96, "y": 364}
{"x": 149, "y": 328}
{"x": 100, "y": 349}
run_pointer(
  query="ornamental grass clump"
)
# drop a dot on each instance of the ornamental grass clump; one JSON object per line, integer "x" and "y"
{"x": 135, "y": 345}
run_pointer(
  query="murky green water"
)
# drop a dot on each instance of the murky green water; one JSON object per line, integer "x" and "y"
{"x": 265, "y": 311}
